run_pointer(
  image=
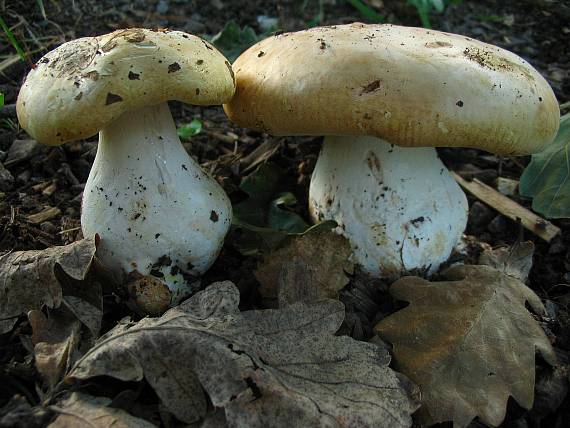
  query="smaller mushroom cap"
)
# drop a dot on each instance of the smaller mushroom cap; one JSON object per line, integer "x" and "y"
{"x": 410, "y": 86}
{"x": 77, "y": 89}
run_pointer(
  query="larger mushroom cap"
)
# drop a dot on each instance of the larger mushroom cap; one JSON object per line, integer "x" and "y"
{"x": 410, "y": 86}
{"x": 370, "y": 87}
{"x": 79, "y": 88}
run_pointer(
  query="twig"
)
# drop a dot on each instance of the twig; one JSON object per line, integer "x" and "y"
{"x": 509, "y": 208}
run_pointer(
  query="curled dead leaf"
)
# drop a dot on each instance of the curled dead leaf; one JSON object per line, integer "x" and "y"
{"x": 83, "y": 410}
{"x": 265, "y": 368}
{"x": 309, "y": 266}
{"x": 28, "y": 279}
{"x": 468, "y": 342}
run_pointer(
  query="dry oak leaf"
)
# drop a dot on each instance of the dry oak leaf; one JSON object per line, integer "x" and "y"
{"x": 56, "y": 340}
{"x": 468, "y": 342}
{"x": 309, "y": 266}
{"x": 28, "y": 279}
{"x": 265, "y": 368}
{"x": 83, "y": 410}
{"x": 515, "y": 261}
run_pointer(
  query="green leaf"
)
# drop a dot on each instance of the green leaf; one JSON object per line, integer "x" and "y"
{"x": 12, "y": 40}
{"x": 265, "y": 219}
{"x": 233, "y": 40}
{"x": 42, "y": 8}
{"x": 187, "y": 130}
{"x": 547, "y": 178}
{"x": 280, "y": 218}
{"x": 366, "y": 10}
{"x": 438, "y": 5}
{"x": 1, "y": 99}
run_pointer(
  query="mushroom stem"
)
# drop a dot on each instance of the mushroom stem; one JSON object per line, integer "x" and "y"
{"x": 154, "y": 208}
{"x": 399, "y": 207}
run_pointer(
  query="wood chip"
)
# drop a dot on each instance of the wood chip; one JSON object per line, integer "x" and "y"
{"x": 46, "y": 214}
{"x": 509, "y": 208}
{"x": 41, "y": 186}
{"x": 260, "y": 154}
{"x": 51, "y": 189}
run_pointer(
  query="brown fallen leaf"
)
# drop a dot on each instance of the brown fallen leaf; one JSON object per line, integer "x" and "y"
{"x": 468, "y": 342}
{"x": 265, "y": 368}
{"x": 55, "y": 343}
{"x": 515, "y": 261}
{"x": 310, "y": 266}
{"x": 83, "y": 410}
{"x": 31, "y": 279}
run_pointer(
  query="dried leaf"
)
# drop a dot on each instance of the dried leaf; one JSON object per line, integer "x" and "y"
{"x": 29, "y": 280}
{"x": 55, "y": 343}
{"x": 469, "y": 342}
{"x": 310, "y": 266}
{"x": 515, "y": 261}
{"x": 82, "y": 410}
{"x": 17, "y": 412}
{"x": 263, "y": 367}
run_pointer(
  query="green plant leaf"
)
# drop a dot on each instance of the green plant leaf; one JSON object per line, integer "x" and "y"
{"x": 438, "y": 5}
{"x": 12, "y": 40}
{"x": 1, "y": 99}
{"x": 187, "y": 130}
{"x": 233, "y": 40}
{"x": 265, "y": 219}
{"x": 424, "y": 8}
{"x": 547, "y": 178}
{"x": 281, "y": 218}
{"x": 268, "y": 204}
{"x": 366, "y": 10}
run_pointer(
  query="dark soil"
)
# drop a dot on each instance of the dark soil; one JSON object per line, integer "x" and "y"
{"x": 54, "y": 176}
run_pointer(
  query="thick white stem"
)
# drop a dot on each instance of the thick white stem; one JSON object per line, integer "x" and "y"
{"x": 152, "y": 205}
{"x": 399, "y": 207}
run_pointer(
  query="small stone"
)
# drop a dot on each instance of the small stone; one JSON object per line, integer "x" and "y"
{"x": 218, "y": 4}
{"x": 162, "y": 6}
{"x": 479, "y": 214}
{"x": 49, "y": 227}
{"x": 498, "y": 225}
{"x": 507, "y": 186}
{"x": 24, "y": 176}
{"x": 6, "y": 179}
{"x": 267, "y": 23}
{"x": 22, "y": 150}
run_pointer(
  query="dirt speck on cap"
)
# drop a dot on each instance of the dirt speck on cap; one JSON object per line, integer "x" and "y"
{"x": 113, "y": 98}
{"x": 371, "y": 87}
{"x": 174, "y": 67}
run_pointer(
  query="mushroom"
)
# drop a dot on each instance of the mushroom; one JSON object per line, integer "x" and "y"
{"x": 157, "y": 213}
{"x": 372, "y": 88}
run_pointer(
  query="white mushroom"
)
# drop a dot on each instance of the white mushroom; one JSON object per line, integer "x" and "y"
{"x": 367, "y": 87}
{"x": 156, "y": 211}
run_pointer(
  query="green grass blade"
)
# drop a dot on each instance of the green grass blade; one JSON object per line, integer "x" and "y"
{"x": 12, "y": 40}
{"x": 42, "y": 8}
{"x": 366, "y": 10}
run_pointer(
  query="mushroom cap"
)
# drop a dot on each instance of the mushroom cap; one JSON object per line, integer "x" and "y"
{"x": 80, "y": 87}
{"x": 410, "y": 86}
